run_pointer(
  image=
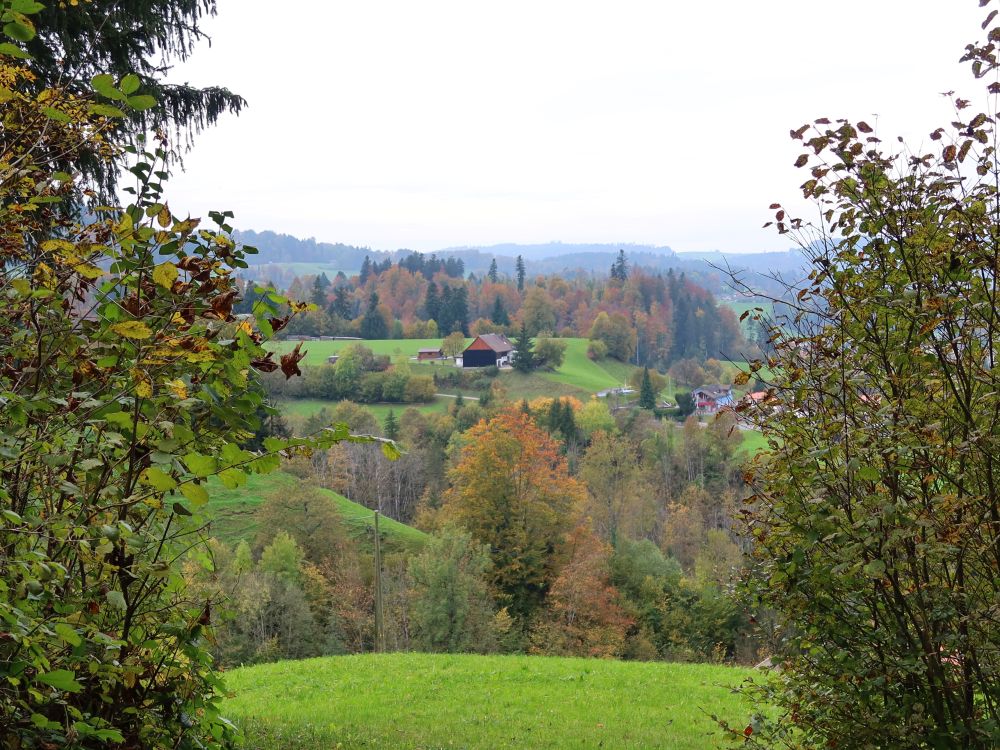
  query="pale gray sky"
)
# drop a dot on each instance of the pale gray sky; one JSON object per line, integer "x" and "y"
{"x": 393, "y": 123}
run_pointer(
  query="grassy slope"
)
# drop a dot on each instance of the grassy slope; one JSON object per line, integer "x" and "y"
{"x": 580, "y": 371}
{"x": 233, "y": 512}
{"x": 303, "y": 408}
{"x": 460, "y": 701}
{"x": 318, "y": 351}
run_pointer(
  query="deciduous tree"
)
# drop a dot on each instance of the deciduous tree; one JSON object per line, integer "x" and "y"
{"x": 876, "y": 517}
{"x": 512, "y": 490}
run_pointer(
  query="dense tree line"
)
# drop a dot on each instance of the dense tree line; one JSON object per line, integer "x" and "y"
{"x": 557, "y": 528}
{"x": 631, "y": 315}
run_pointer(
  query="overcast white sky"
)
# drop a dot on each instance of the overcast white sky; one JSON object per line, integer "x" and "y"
{"x": 393, "y": 123}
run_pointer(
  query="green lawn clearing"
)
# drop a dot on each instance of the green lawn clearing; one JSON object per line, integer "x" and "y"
{"x": 303, "y": 408}
{"x": 232, "y": 512}
{"x": 431, "y": 701}
{"x": 318, "y": 351}
{"x": 579, "y": 371}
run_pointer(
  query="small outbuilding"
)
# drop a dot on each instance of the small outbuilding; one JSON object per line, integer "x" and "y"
{"x": 488, "y": 350}
{"x": 425, "y": 354}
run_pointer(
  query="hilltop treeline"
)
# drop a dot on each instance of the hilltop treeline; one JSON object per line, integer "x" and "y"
{"x": 631, "y": 315}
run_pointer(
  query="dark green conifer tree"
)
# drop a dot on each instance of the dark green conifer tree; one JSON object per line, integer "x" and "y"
{"x": 647, "y": 396}
{"x": 373, "y": 325}
{"x": 499, "y": 314}
{"x": 525, "y": 359}
{"x": 391, "y": 426}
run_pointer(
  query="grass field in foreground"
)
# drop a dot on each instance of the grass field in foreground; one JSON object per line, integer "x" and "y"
{"x": 482, "y": 702}
{"x": 233, "y": 511}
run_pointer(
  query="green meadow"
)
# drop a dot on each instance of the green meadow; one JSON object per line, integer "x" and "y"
{"x": 232, "y": 512}
{"x": 318, "y": 351}
{"x": 431, "y": 701}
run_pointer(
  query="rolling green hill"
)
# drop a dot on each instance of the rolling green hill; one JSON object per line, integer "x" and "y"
{"x": 577, "y": 371}
{"x": 232, "y": 512}
{"x": 318, "y": 351}
{"x": 482, "y": 702}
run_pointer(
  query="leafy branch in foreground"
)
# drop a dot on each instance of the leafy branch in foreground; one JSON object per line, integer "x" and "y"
{"x": 876, "y": 515}
{"x": 126, "y": 382}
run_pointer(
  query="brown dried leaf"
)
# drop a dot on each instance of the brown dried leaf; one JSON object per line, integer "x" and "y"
{"x": 265, "y": 364}
{"x": 278, "y": 323}
{"x": 864, "y": 127}
{"x": 290, "y": 361}
{"x": 802, "y": 160}
{"x": 949, "y": 154}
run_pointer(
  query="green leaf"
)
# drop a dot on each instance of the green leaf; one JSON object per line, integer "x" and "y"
{"x": 199, "y": 465}
{"x": 19, "y": 30}
{"x": 55, "y": 114}
{"x": 105, "y": 110}
{"x": 196, "y": 493}
{"x": 868, "y": 473}
{"x": 130, "y": 84}
{"x": 104, "y": 84}
{"x": 61, "y": 679}
{"x": 875, "y": 569}
{"x": 141, "y": 102}
{"x": 12, "y": 50}
{"x": 117, "y": 600}
{"x": 158, "y": 479}
{"x": 233, "y": 478}
{"x": 180, "y": 510}
{"x": 26, "y": 6}
{"x": 68, "y": 633}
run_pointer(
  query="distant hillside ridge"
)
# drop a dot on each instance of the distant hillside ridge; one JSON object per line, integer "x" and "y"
{"x": 282, "y": 257}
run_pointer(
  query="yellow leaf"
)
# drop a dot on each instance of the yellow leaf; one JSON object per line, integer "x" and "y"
{"x": 163, "y": 218}
{"x": 165, "y": 274}
{"x": 88, "y": 271}
{"x": 178, "y": 388}
{"x": 143, "y": 385}
{"x": 53, "y": 245}
{"x": 133, "y": 329}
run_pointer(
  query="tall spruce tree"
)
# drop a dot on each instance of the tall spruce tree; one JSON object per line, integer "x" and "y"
{"x": 619, "y": 269}
{"x": 493, "y": 275}
{"x": 520, "y": 273}
{"x": 647, "y": 396}
{"x": 499, "y": 314}
{"x": 390, "y": 428}
{"x": 525, "y": 359}
{"x": 432, "y": 303}
{"x": 373, "y": 325}
{"x": 76, "y": 41}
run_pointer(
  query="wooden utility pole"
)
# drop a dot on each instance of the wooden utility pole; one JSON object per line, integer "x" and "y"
{"x": 379, "y": 623}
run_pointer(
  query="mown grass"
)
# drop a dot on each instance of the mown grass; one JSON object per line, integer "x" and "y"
{"x": 579, "y": 371}
{"x": 753, "y": 442}
{"x": 232, "y": 512}
{"x": 482, "y": 702}
{"x": 303, "y": 408}
{"x": 318, "y": 351}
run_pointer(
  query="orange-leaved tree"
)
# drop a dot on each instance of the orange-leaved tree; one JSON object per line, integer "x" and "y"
{"x": 584, "y": 615}
{"x": 512, "y": 490}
